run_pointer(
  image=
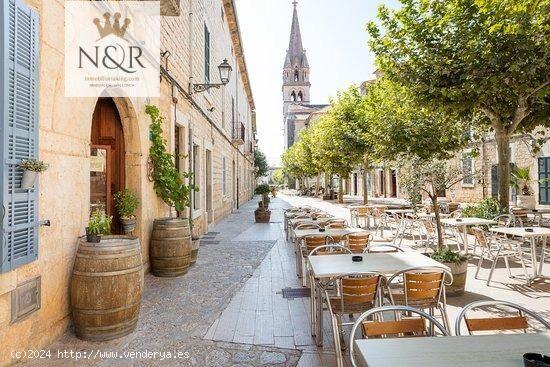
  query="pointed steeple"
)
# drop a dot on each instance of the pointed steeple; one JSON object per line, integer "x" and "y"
{"x": 296, "y": 55}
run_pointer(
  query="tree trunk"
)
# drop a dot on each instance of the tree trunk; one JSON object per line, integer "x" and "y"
{"x": 437, "y": 221}
{"x": 365, "y": 183}
{"x": 503, "y": 150}
{"x": 341, "y": 190}
{"x": 317, "y": 185}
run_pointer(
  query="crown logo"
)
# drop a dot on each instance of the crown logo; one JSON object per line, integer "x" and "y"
{"x": 111, "y": 28}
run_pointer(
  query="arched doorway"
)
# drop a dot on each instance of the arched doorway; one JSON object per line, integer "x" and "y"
{"x": 107, "y": 162}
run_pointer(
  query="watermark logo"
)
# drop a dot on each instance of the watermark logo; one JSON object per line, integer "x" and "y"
{"x": 112, "y": 48}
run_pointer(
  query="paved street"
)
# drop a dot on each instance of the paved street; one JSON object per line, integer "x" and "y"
{"x": 229, "y": 309}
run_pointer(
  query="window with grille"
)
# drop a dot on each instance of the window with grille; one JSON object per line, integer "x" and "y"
{"x": 544, "y": 186}
{"x": 19, "y": 133}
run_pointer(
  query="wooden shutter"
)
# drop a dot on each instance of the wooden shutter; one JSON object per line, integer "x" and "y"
{"x": 206, "y": 55}
{"x": 544, "y": 187}
{"x": 19, "y": 111}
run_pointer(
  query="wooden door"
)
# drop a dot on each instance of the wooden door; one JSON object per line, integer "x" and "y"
{"x": 107, "y": 137}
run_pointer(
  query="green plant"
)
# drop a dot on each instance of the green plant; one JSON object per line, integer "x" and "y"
{"x": 33, "y": 165}
{"x": 126, "y": 203}
{"x": 99, "y": 223}
{"x": 168, "y": 181}
{"x": 260, "y": 162}
{"x": 262, "y": 189}
{"x": 487, "y": 208}
{"x": 446, "y": 255}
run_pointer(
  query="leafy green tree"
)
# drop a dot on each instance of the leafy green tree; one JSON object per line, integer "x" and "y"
{"x": 491, "y": 56}
{"x": 399, "y": 125}
{"x": 278, "y": 177}
{"x": 339, "y": 146}
{"x": 260, "y": 162}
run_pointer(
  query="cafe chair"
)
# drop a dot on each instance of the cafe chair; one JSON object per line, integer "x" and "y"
{"x": 515, "y": 322}
{"x": 358, "y": 242}
{"x": 404, "y": 324}
{"x": 423, "y": 288}
{"x": 355, "y": 293}
{"x": 363, "y": 214}
{"x": 495, "y": 248}
{"x": 382, "y": 248}
{"x": 506, "y": 220}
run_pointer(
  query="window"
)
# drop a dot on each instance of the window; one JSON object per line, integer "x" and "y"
{"x": 196, "y": 177}
{"x": 544, "y": 186}
{"x": 224, "y": 177}
{"x": 19, "y": 133}
{"x": 300, "y": 97}
{"x": 293, "y": 96}
{"x": 206, "y": 55}
{"x": 467, "y": 169}
{"x": 296, "y": 75}
{"x": 177, "y": 151}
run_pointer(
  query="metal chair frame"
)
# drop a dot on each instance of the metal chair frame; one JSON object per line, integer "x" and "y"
{"x": 477, "y": 304}
{"x": 371, "y": 246}
{"x": 395, "y": 309}
{"x": 439, "y": 301}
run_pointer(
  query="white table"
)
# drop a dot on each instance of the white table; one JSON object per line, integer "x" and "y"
{"x": 324, "y": 267}
{"x": 464, "y": 223}
{"x": 502, "y": 350}
{"x": 328, "y": 232}
{"x": 428, "y": 215}
{"x": 538, "y": 232}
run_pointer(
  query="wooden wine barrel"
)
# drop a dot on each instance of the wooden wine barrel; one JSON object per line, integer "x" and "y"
{"x": 106, "y": 287}
{"x": 194, "y": 251}
{"x": 170, "y": 247}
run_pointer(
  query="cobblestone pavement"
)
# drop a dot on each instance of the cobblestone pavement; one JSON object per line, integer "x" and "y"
{"x": 177, "y": 312}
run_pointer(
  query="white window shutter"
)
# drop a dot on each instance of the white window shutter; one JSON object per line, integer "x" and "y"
{"x": 19, "y": 111}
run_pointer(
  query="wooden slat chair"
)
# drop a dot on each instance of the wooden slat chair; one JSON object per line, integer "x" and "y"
{"x": 337, "y": 224}
{"x": 358, "y": 242}
{"x": 382, "y": 248}
{"x": 381, "y": 218}
{"x": 302, "y": 222}
{"x": 517, "y": 322}
{"x": 298, "y": 246}
{"x": 373, "y": 325}
{"x": 361, "y": 213}
{"x": 355, "y": 294}
{"x": 423, "y": 288}
{"x": 495, "y": 248}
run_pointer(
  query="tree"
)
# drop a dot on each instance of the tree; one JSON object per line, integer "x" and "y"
{"x": 298, "y": 160}
{"x": 491, "y": 56}
{"x": 339, "y": 146}
{"x": 419, "y": 176}
{"x": 278, "y": 177}
{"x": 400, "y": 125}
{"x": 260, "y": 162}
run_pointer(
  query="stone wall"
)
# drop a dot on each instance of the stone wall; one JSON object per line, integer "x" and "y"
{"x": 64, "y": 140}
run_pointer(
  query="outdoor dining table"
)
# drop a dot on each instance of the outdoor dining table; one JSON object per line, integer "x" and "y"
{"x": 502, "y": 350}
{"x": 428, "y": 215}
{"x": 325, "y": 267}
{"x": 464, "y": 223}
{"x": 538, "y": 232}
{"x": 538, "y": 214}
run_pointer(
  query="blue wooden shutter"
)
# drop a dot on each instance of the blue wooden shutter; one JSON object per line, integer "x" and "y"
{"x": 19, "y": 111}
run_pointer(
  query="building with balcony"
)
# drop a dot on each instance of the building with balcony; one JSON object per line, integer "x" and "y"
{"x": 72, "y": 134}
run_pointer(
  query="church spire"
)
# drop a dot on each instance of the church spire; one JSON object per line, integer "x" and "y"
{"x": 296, "y": 55}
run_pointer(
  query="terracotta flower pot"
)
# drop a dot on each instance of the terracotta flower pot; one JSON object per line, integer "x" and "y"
{"x": 262, "y": 215}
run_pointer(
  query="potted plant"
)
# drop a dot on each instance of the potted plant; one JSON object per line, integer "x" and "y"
{"x": 521, "y": 180}
{"x": 273, "y": 191}
{"x": 99, "y": 225}
{"x": 31, "y": 168}
{"x": 262, "y": 214}
{"x": 429, "y": 177}
{"x": 126, "y": 204}
{"x": 458, "y": 263}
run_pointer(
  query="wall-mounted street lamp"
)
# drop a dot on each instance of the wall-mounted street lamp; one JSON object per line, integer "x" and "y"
{"x": 225, "y": 74}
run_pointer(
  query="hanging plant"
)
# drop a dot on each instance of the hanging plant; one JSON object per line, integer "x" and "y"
{"x": 168, "y": 181}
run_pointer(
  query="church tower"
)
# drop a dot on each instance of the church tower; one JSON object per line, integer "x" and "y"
{"x": 296, "y": 68}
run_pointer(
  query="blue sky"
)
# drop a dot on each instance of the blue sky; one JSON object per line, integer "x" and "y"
{"x": 334, "y": 35}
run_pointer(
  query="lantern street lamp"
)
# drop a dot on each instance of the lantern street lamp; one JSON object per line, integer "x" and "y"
{"x": 225, "y": 75}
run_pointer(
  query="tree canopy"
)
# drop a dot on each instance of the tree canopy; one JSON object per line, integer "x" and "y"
{"x": 491, "y": 56}
{"x": 260, "y": 162}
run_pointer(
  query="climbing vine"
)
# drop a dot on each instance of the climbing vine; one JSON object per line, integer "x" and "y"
{"x": 168, "y": 181}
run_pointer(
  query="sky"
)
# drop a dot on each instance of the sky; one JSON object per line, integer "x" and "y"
{"x": 334, "y": 36}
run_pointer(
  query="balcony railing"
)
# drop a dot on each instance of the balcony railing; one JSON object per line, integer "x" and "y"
{"x": 238, "y": 133}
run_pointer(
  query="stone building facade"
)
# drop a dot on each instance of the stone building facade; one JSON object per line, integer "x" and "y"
{"x": 214, "y": 129}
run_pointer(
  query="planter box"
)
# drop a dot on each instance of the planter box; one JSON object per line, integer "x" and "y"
{"x": 262, "y": 215}
{"x": 459, "y": 279}
{"x": 526, "y": 201}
